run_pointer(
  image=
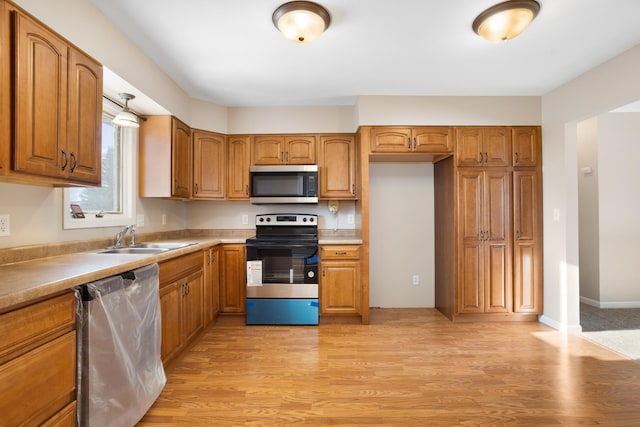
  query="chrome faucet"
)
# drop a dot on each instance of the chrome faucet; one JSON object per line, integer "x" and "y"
{"x": 120, "y": 235}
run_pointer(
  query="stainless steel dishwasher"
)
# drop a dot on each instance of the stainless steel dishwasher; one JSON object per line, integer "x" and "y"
{"x": 120, "y": 373}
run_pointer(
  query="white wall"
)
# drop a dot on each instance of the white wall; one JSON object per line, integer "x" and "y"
{"x": 619, "y": 194}
{"x": 588, "y": 210}
{"x": 402, "y": 235}
{"x": 602, "y": 89}
{"x": 228, "y": 214}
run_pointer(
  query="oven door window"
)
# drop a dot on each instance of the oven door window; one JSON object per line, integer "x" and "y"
{"x": 282, "y": 265}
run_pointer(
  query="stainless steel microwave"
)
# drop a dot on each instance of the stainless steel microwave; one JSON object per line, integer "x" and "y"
{"x": 283, "y": 184}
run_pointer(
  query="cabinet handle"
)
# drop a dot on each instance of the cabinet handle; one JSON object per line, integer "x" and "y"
{"x": 196, "y": 187}
{"x": 340, "y": 253}
{"x": 518, "y": 235}
{"x": 66, "y": 160}
{"x": 75, "y": 161}
{"x": 517, "y": 158}
{"x": 324, "y": 271}
{"x": 481, "y": 157}
{"x": 282, "y": 156}
{"x": 487, "y": 236}
{"x": 409, "y": 143}
{"x": 246, "y": 189}
{"x": 353, "y": 189}
{"x": 286, "y": 157}
{"x": 415, "y": 143}
{"x": 486, "y": 157}
{"x": 481, "y": 236}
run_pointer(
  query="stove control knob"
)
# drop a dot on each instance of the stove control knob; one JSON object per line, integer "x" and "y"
{"x": 311, "y": 274}
{"x": 304, "y": 219}
{"x": 269, "y": 219}
{"x": 311, "y": 219}
{"x": 261, "y": 220}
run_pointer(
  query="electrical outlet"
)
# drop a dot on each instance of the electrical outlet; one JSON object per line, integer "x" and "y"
{"x": 245, "y": 219}
{"x": 5, "y": 226}
{"x": 164, "y": 219}
{"x": 416, "y": 279}
{"x": 140, "y": 221}
{"x": 350, "y": 219}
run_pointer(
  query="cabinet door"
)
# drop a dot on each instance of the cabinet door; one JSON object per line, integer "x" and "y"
{"x": 85, "y": 119}
{"x": 208, "y": 165}
{"x": 470, "y": 291}
{"x": 180, "y": 159}
{"x": 215, "y": 282}
{"x": 496, "y": 142}
{"x": 232, "y": 279}
{"x": 497, "y": 241}
{"x": 171, "y": 312}
{"x": 39, "y": 383}
{"x": 527, "y": 254}
{"x": 477, "y": 146}
{"x": 337, "y": 167}
{"x": 300, "y": 150}
{"x": 469, "y": 150}
{"x": 433, "y": 139}
{"x": 340, "y": 287}
{"x": 239, "y": 159}
{"x": 40, "y": 100}
{"x": 526, "y": 146}
{"x": 193, "y": 289}
{"x": 391, "y": 140}
{"x": 268, "y": 150}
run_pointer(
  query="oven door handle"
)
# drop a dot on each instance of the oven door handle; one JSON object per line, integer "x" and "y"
{"x": 282, "y": 245}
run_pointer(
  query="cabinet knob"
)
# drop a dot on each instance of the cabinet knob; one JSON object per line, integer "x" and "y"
{"x": 340, "y": 253}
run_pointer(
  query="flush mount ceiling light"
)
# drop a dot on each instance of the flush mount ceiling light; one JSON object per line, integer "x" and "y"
{"x": 505, "y": 21}
{"x": 301, "y": 21}
{"x": 126, "y": 118}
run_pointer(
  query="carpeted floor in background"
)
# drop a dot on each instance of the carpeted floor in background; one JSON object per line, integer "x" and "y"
{"x": 615, "y": 328}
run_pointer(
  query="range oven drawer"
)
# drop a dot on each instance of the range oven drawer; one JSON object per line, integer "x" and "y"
{"x": 276, "y": 311}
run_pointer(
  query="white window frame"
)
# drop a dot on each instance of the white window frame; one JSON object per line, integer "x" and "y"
{"x": 129, "y": 185}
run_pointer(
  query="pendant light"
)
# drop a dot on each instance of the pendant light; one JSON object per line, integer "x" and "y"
{"x": 505, "y": 21}
{"x": 301, "y": 21}
{"x": 126, "y": 118}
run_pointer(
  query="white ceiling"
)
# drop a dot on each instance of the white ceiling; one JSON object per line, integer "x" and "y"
{"x": 229, "y": 53}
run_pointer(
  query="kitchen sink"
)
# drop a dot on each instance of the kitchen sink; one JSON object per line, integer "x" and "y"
{"x": 146, "y": 248}
{"x": 133, "y": 250}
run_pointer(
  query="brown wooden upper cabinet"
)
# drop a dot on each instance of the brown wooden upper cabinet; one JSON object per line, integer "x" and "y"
{"x": 238, "y": 164}
{"x": 424, "y": 139}
{"x": 165, "y": 158}
{"x": 209, "y": 165}
{"x": 483, "y": 146}
{"x": 57, "y": 105}
{"x": 337, "y": 167}
{"x": 527, "y": 149}
{"x": 284, "y": 149}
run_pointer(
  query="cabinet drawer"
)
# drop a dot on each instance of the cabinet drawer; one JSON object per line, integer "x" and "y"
{"x": 48, "y": 372}
{"x": 180, "y": 267}
{"x": 340, "y": 252}
{"x": 23, "y": 327}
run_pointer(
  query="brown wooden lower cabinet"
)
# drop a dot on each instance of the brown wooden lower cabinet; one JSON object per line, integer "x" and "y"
{"x": 232, "y": 279}
{"x": 38, "y": 363}
{"x": 340, "y": 292}
{"x": 181, "y": 302}
{"x": 211, "y": 284}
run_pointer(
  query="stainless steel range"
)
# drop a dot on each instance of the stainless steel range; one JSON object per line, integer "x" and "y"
{"x": 282, "y": 270}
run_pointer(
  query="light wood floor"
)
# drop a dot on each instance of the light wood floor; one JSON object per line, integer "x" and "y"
{"x": 409, "y": 367}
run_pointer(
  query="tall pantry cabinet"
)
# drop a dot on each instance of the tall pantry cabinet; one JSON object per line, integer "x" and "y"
{"x": 488, "y": 253}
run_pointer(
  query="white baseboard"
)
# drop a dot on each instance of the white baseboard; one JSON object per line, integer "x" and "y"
{"x": 564, "y": 328}
{"x": 610, "y": 304}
